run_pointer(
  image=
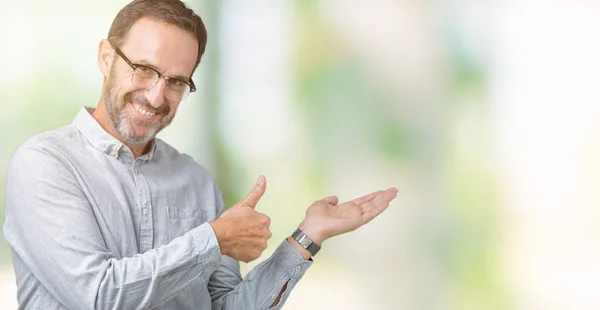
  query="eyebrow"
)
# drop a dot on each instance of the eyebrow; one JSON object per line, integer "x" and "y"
{"x": 149, "y": 65}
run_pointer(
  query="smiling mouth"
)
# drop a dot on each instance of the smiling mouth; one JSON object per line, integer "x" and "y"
{"x": 141, "y": 112}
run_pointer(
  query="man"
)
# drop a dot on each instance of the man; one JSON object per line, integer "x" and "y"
{"x": 101, "y": 214}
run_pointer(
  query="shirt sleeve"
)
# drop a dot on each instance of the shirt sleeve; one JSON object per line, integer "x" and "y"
{"x": 262, "y": 285}
{"x": 51, "y": 226}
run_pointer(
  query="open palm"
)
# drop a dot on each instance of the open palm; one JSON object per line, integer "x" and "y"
{"x": 325, "y": 218}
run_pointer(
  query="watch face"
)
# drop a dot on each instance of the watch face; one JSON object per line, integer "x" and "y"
{"x": 304, "y": 241}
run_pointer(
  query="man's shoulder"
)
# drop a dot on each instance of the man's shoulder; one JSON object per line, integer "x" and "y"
{"x": 49, "y": 141}
{"x": 45, "y": 150}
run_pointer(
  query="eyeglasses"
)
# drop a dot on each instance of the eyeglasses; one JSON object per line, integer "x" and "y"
{"x": 146, "y": 77}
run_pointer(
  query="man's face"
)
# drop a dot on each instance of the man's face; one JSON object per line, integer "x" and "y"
{"x": 138, "y": 113}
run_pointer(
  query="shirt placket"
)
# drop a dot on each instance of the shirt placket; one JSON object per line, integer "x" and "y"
{"x": 145, "y": 207}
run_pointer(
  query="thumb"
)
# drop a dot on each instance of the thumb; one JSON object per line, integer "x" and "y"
{"x": 255, "y": 194}
{"x": 332, "y": 200}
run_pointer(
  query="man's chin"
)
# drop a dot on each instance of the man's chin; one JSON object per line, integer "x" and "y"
{"x": 138, "y": 136}
{"x": 139, "y": 132}
{"x": 137, "y": 140}
{"x": 143, "y": 138}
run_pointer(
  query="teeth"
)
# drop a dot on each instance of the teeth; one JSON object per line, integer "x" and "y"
{"x": 143, "y": 111}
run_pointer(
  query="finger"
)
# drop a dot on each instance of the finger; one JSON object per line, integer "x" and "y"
{"x": 366, "y": 197}
{"x": 255, "y": 194}
{"x": 384, "y": 198}
{"x": 373, "y": 195}
{"x": 265, "y": 220}
{"x": 380, "y": 203}
{"x": 332, "y": 200}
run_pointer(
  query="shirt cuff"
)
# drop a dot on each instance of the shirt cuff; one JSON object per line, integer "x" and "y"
{"x": 206, "y": 248}
{"x": 290, "y": 261}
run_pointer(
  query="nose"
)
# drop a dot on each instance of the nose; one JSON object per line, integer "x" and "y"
{"x": 156, "y": 94}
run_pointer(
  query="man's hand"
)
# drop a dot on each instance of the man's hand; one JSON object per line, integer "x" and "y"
{"x": 326, "y": 219}
{"x": 242, "y": 232}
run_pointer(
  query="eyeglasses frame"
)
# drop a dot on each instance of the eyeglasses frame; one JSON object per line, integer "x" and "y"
{"x": 160, "y": 75}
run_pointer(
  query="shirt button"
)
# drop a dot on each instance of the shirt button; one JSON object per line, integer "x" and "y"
{"x": 213, "y": 267}
{"x": 298, "y": 268}
{"x": 136, "y": 170}
{"x": 274, "y": 296}
{"x": 145, "y": 211}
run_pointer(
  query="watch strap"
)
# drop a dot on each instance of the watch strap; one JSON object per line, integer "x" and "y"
{"x": 306, "y": 242}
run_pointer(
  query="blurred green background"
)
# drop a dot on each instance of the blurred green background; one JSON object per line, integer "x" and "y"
{"x": 471, "y": 109}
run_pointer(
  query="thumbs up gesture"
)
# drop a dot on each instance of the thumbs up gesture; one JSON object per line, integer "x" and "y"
{"x": 241, "y": 231}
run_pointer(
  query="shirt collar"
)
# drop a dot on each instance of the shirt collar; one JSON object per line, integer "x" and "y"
{"x": 99, "y": 138}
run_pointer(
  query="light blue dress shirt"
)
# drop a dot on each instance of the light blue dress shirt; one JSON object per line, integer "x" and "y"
{"x": 92, "y": 227}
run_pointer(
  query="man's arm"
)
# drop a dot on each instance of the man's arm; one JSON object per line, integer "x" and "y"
{"x": 269, "y": 284}
{"x": 51, "y": 226}
{"x": 263, "y": 285}
{"x": 266, "y": 286}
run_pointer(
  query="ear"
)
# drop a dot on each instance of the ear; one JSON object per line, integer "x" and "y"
{"x": 105, "y": 57}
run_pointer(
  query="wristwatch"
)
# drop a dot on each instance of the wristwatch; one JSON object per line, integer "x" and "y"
{"x": 305, "y": 242}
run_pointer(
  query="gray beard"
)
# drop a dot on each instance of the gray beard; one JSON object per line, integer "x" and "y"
{"x": 124, "y": 127}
